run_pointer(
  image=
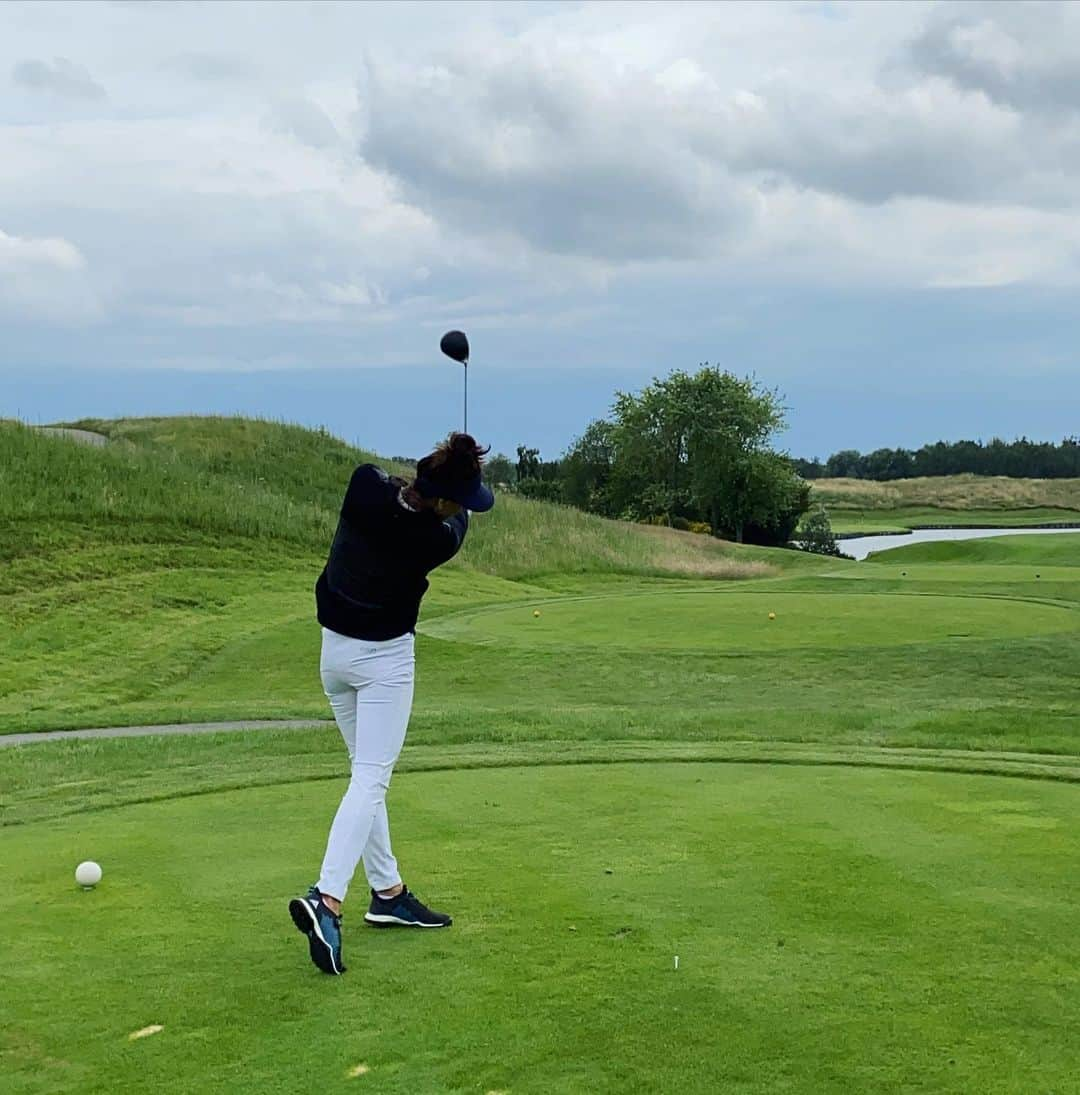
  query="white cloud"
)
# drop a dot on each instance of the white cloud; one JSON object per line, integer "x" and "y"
{"x": 521, "y": 160}
{"x": 17, "y": 255}
{"x": 59, "y": 77}
{"x": 44, "y": 279}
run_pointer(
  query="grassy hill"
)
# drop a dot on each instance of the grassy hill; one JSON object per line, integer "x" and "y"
{"x": 1060, "y": 550}
{"x": 168, "y": 577}
{"x": 188, "y": 542}
{"x": 862, "y": 505}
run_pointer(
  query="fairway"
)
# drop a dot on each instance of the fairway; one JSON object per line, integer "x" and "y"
{"x": 1061, "y": 550}
{"x": 1013, "y": 574}
{"x": 732, "y": 622}
{"x": 813, "y": 912}
{"x": 615, "y": 757}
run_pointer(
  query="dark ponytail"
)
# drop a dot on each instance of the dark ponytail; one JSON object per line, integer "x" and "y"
{"x": 458, "y": 459}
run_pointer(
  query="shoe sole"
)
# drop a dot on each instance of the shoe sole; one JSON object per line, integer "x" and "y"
{"x": 391, "y": 921}
{"x": 307, "y": 923}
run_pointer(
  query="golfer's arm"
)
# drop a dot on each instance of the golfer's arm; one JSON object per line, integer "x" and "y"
{"x": 448, "y": 538}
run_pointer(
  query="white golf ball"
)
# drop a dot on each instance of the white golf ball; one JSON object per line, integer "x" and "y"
{"x": 88, "y": 873}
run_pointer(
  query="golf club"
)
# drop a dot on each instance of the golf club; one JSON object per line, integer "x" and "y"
{"x": 455, "y": 345}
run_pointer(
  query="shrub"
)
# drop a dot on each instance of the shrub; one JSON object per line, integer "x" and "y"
{"x": 541, "y": 490}
{"x": 816, "y": 534}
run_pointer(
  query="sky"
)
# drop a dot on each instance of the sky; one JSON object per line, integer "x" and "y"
{"x": 276, "y": 209}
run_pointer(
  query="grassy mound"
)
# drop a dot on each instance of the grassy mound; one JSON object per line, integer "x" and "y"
{"x": 156, "y": 580}
{"x": 219, "y": 481}
{"x": 193, "y": 544}
{"x": 1061, "y": 549}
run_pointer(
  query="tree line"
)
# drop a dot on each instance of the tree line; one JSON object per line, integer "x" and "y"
{"x": 1020, "y": 459}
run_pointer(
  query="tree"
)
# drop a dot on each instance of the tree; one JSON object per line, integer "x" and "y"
{"x": 846, "y": 464}
{"x": 734, "y": 478}
{"x": 779, "y": 526}
{"x": 816, "y": 534}
{"x": 586, "y": 469}
{"x": 528, "y": 463}
{"x": 688, "y": 448}
{"x": 809, "y": 469}
{"x": 500, "y": 471}
{"x": 542, "y": 490}
{"x": 649, "y": 474}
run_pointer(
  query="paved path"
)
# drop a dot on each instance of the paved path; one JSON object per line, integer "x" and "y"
{"x": 87, "y": 437}
{"x": 169, "y": 728}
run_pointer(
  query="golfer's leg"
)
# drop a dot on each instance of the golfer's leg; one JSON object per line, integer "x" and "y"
{"x": 339, "y": 689}
{"x": 382, "y": 717}
{"x": 380, "y": 866}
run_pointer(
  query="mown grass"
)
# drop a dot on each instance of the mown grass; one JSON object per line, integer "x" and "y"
{"x": 813, "y": 908}
{"x": 1041, "y": 552}
{"x": 812, "y": 912}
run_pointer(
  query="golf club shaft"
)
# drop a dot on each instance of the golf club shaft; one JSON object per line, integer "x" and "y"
{"x": 466, "y": 427}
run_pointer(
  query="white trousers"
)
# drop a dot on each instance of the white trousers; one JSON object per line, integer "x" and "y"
{"x": 370, "y": 688}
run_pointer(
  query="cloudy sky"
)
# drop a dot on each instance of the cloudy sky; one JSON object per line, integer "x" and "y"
{"x": 278, "y": 208}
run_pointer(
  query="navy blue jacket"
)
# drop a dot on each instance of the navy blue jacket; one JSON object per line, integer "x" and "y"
{"x": 376, "y": 574}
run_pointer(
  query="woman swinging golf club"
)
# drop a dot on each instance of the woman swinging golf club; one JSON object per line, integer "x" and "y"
{"x": 390, "y": 535}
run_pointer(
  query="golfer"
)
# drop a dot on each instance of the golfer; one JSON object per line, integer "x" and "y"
{"x": 390, "y": 535}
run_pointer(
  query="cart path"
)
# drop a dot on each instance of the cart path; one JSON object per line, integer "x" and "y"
{"x": 166, "y": 728}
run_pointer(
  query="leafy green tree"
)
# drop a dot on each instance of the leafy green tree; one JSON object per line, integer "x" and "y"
{"x": 791, "y": 499}
{"x": 734, "y": 478}
{"x": 500, "y": 470}
{"x": 586, "y": 469}
{"x": 695, "y": 447}
{"x": 816, "y": 534}
{"x": 649, "y": 475}
{"x": 846, "y": 464}
{"x": 528, "y": 464}
{"x": 809, "y": 469}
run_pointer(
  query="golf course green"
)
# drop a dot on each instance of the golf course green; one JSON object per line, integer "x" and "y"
{"x": 737, "y": 622}
{"x": 854, "y": 824}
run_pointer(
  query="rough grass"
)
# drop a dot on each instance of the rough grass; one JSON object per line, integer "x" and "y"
{"x": 221, "y": 480}
{"x": 956, "y": 492}
{"x": 858, "y": 522}
{"x": 521, "y": 538}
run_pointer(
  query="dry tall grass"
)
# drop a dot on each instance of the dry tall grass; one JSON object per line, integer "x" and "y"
{"x": 209, "y": 478}
{"x": 522, "y": 538}
{"x": 949, "y": 492}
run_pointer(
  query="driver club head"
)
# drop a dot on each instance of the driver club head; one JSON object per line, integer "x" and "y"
{"x": 455, "y": 345}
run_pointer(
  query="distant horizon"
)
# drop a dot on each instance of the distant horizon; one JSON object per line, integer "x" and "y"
{"x": 872, "y": 207}
{"x": 279, "y": 396}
